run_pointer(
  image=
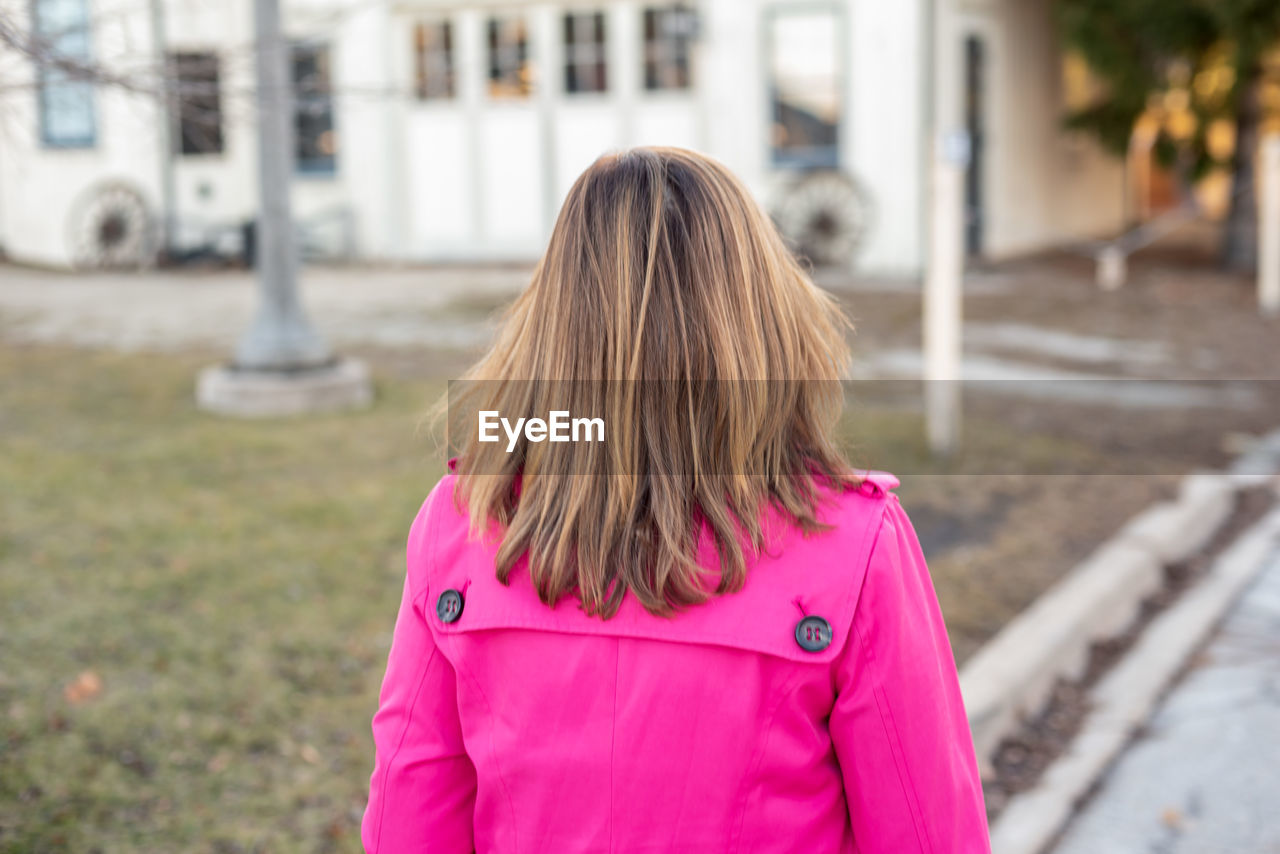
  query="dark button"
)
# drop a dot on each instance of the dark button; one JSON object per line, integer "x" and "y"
{"x": 449, "y": 606}
{"x": 813, "y": 634}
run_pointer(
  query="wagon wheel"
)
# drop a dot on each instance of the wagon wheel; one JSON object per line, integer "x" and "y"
{"x": 824, "y": 215}
{"x": 110, "y": 228}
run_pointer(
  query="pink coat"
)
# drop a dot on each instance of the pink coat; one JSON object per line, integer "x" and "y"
{"x": 815, "y": 711}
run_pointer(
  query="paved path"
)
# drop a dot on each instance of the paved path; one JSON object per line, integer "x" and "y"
{"x": 1205, "y": 777}
{"x": 447, "y": 307}
{"x": 454, "y": 307}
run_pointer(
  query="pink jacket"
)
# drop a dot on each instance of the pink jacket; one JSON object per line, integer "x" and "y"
{"x": 815, "y": 711}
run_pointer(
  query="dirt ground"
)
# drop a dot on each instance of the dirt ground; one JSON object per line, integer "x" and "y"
{"x": 997, "y": 535}
{"x": 1045, "y": 475}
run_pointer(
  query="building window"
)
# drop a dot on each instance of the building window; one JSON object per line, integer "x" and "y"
{"x": 584, "y": 52}
{"x": 197, "y": 103}
{"x": 668, "y": 42}
{"x": 65, "y": 99}
{"x": 316, "y": 144}
{"x": 805, "y": 88}
{"x": 510, "y": 70}
{"x": 433, "y": 60}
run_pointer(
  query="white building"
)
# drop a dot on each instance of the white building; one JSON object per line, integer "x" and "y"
{"x": 434, "y": 131}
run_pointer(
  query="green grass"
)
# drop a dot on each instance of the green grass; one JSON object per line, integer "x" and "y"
{"x": 232, "y": 584}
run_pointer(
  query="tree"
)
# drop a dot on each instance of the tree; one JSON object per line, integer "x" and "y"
{"x": 1186, "y": 65}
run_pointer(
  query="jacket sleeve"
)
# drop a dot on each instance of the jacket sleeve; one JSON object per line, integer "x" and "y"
{"x": 898, "y": 725}
{"x": 422, "y": 793}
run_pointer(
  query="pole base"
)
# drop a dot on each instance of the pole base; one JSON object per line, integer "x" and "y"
{"x": 1113, "y": 268}
{"x": 248, "y": 393}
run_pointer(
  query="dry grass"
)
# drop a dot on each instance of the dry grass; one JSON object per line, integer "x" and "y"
{"x": 230, "y": 586}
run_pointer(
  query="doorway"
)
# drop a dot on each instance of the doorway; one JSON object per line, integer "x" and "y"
{"x": 975, "y": 97}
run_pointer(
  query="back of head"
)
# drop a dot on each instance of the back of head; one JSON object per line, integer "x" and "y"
{"x": 666, "y": 301}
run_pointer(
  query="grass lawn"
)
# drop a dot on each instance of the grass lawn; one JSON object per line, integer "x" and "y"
{"x": 195, "y": 612}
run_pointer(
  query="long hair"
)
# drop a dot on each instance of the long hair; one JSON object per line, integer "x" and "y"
{"x": 667, "y": 301}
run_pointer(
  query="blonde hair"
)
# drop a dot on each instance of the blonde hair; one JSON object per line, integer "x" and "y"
{"x": 667, "y": 300}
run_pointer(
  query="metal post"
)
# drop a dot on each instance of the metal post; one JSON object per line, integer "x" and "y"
{"x": 281, "y": 337}
{"x": 281, "y": 367}
{"x": 1113, "y": 268}
{"x": 164, "y": 127}
{"x": 945, "y": 265}
{"x": 1269, "y": 228}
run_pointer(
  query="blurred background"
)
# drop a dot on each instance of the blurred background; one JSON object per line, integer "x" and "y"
{"x": 1062, "y": 215}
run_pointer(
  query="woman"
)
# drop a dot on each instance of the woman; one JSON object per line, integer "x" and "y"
{"x": 704, "y": 634}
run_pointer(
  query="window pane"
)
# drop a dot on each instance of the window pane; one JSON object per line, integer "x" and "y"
{"x": 668, "y": 42}
{"x": 197, "y": 103}
{"x": 805, "y": 88}
{"x": 495, "y": 40}
{"x": 510, "y": 69}
{"x": 316, "y": 143}
{"x": 66, "y": 105}
{"x": 66, "y": 113}
{"x": 56, "y": 17}
{"x": 585, "y": 66}
{"x": 433, "y": 60}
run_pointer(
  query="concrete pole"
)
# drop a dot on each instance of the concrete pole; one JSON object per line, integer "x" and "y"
{"x": 280, "y": 339}
{"x": 1113, "y": 268}
{"x": 945, "y": 266}
{"x": 1269, "y": 228}
{"x": 281, "y": 367}
{"x": 165, "y": 129}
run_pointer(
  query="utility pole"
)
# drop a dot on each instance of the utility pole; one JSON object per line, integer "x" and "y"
{"x": 280, "y": 338}
{"x": 1269, "y": 228}
{"x": 943, "y": 303}
{"x": 281, "y": 366}
{"x": 165, "y": 136}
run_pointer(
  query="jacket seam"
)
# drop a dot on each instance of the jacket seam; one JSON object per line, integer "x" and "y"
{"x": 414, "y": 601}
{"x": 870, "y": 539}
{"x": 613, "y": 733}
{"x": 460, "y": 667}
{"x": 404, "y": 734}
{"x": 892, "y": 734}
{"x": 904, "y": 773}
{"x": 702, "y": 640}
{"x": 493, "y": 753}
{"x": 788, "y": 687}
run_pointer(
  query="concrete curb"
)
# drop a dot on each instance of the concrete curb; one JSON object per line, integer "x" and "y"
{"x": 1009, "y": 679}
{"x": 1125, "y": 698}
{"x": 1173, "y": 531}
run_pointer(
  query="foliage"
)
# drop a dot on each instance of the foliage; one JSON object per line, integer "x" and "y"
{"x": 1182, "y": 63}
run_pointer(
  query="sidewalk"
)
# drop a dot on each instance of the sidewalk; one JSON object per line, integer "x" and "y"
{"x": 1204, "y": 778}
{"x": 175, "y": 310}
